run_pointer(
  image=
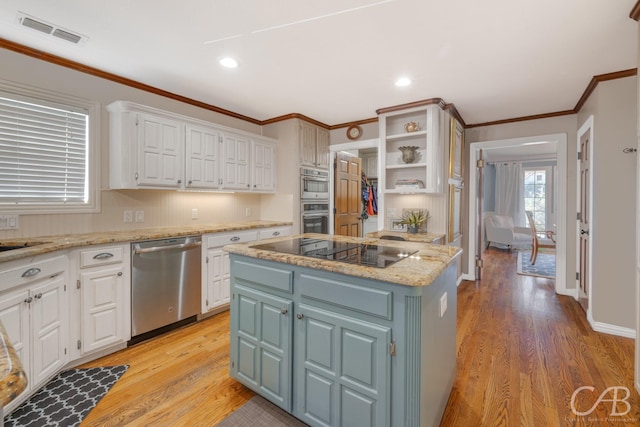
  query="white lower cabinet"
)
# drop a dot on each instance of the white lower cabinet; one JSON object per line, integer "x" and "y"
{"x": 33, "y": 310}
{"x": 102, "y": 296}
{"x": 215, "y": 262}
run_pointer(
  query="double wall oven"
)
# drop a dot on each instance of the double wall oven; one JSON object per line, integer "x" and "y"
{"x": 314, "y": 200}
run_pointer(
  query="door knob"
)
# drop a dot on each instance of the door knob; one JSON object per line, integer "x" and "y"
{"x": 582, "y": 232}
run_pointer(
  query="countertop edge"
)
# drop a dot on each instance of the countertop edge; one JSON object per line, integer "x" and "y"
{"x": 56, "y": 243}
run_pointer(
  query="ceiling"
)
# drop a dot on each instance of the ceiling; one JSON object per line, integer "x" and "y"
{"x": 336, "y": 60}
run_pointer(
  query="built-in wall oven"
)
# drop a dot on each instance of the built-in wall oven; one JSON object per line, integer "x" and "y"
{"x": 315, "y": 216}
{"x": 314, "y": 184}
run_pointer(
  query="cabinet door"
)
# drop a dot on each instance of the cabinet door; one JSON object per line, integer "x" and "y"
{"x": 343, "y": 370}
{"x": 263, "y": 166}
{"x": 217, "y": 283}
{"x": 103, "y": 307}
{"x": 236, "y": 162}
{"x": 322, "y": 149}
{"x": 307, "y": 145}
{"x": 202, "y": 168}
{"x": 160, "y": 151}
{"x": 261, "y": 344}
{"x": 48, "y": 328}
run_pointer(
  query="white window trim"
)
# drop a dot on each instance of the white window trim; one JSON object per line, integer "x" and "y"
{"x": 93, "y": 174}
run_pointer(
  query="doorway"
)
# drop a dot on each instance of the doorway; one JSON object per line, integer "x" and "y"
{"x": 371, "y": 147}
{"x": 561, "y": 155}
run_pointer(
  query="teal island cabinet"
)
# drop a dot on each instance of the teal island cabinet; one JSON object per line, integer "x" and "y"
{"x": 345, "y": 342}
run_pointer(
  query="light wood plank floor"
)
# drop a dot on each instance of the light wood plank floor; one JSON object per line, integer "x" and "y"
{"x": 522, "y": 352}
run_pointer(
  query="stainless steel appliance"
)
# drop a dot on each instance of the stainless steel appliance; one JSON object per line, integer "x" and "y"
{"x": 349, "y": 252}
{"x": 165, "y": 283}
{"x": 315, "y": 216}
{"x": 314, "y": 184}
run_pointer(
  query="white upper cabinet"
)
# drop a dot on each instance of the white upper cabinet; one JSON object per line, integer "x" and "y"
{"x": 203, "y": 170}
{"x": 314, "y": 146}
{"x": 155, "y": 149}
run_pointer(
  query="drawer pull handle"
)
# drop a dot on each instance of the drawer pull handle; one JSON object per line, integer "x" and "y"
{"x": 235, "y": 238}
{"x": 276, "y": 233}
{"x": 299, "y": 316}
{"x": 103, "y": 255}
{"x": 283, "y": 311}
{"x": 31, "y": 272}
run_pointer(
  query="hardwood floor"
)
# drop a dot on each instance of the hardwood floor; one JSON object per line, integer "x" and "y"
{"x": 522, "y": 352}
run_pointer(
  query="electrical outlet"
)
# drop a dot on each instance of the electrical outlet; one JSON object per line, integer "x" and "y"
{"x": 247, "y": 211}
{"x": 194, "y": 213}
{"x": 443, "y": 304}
{"x": 139, "y": 216}
{"x": 9, "y": 222}
{"x": 127, "y": 216}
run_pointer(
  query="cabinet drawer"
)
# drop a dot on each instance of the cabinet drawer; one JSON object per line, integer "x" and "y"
{"x": 229, "y": 238}
{"x": 271, "y": 277}
{"x": 26, "y": 272}
{"x": 367, "y": 300}
{"x": 274, "y": 232}
{"x": 101, "y": 256}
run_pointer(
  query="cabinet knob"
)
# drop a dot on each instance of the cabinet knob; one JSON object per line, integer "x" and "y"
{"x": 28, "y": 300}
{"x": 283, "y": 311}
{"x": 179, "y": 181}
{"x": 37, "y": 296}
{"x": 190, "y": 182}
{"x": 299, "y": 316}
{"x": 120, "y": 274}
{"x": 248, "y": 186}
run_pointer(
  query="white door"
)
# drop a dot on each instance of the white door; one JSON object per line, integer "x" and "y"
{"x": 48, "y": 311}
{"x": 236, "y": 162}
{"x": 103, "y": 315}
{"x": 218, "y": 281}
{"x": 160, "y": 151}
{"x": 263, "y": 166}
{"x": 585, "y": 148}
{"x": 202, "y": 157}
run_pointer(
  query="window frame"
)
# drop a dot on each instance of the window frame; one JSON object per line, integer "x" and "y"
{"x": 549, "y": 185}
{"x": 93, "y": 109}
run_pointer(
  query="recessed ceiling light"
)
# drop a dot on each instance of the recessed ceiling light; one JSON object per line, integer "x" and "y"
{"x": 403, "y": 81}
{"x": 228, "y": 62}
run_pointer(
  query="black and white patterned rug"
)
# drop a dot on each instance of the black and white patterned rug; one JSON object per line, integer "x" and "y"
{"x": 545, "y": 265}
{"x": 67, "y": 398}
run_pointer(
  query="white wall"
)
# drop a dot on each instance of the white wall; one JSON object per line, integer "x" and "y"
{"x": 162, "y": 208}
{"x": 612, "y": 231}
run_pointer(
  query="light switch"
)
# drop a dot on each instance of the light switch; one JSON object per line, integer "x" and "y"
{"x": 139, "y": 216}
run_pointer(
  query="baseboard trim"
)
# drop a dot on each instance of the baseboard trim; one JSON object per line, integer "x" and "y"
{"x": 611, "y": 329}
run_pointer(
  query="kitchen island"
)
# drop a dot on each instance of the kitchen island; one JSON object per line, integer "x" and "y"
{"x": 336, "y": 331}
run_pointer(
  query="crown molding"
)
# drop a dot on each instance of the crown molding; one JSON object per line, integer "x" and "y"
{"x": 54, "y": 59}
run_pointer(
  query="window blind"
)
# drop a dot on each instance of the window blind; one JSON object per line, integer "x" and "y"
{"x": 43, "y": 152}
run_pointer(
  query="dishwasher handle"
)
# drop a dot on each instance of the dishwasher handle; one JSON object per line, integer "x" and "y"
{"x": 179, "y": 247}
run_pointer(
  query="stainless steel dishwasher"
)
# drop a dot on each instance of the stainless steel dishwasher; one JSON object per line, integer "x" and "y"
{"x": 165, "y": 283}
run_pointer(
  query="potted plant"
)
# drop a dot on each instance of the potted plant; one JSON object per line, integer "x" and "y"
{"x": 414, "y": 218}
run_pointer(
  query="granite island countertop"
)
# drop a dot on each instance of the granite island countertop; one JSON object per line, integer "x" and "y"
{"x": 46, "y": 244}
{"x": 419, "y": 269}
{"x": 411, "y": 237}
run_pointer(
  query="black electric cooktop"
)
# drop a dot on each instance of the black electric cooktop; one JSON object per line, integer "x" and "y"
{"x": 352, "y": 253}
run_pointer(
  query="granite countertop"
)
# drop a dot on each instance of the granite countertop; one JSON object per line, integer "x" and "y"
{"x": 42, "y": 245}
{"x": 410, "y": 237}
{"x": 420, "y": 269}
{"x": 12, "y": 377}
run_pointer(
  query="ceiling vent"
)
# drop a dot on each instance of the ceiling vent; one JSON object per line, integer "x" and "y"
{"x": 50, "y": 29}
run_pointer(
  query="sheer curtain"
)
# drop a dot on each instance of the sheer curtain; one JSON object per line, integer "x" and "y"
{"x": 510, "y": 192}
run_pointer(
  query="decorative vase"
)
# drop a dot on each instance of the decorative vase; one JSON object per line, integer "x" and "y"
{"x": 412, "y": 228}
{"x": 408, "y": 153}
{"x": 411, "y": 127}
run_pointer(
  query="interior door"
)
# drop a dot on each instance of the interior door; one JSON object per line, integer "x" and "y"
{"x": 347, "y": 207}
{"x": 584, "y": 202}
{"x": 480, "y": 235}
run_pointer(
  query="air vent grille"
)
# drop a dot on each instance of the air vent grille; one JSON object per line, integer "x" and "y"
{"x": 47, "y": 28}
